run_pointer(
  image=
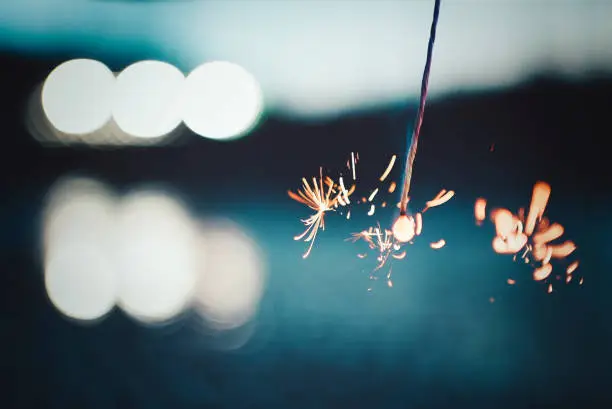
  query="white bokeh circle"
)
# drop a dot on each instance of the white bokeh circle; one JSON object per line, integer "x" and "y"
{"x": 81, "y": 282}
{"x": 156, "y": 253}
{"x": 147, "y": 100}
{"x": 77, "y": 96}
{"x": 232, "y": 277}
{"x": 222, "y": 101}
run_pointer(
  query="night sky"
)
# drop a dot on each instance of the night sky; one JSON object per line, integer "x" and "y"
{"x": 321, "y": 340}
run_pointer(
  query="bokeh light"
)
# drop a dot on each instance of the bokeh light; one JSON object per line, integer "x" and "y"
{"x": 77, "y": 96}
{"x": 156, "y": 250}
{"x": 222, "y": 101}
{"x": 80, "y": 278}
{"x": 81, "y": 282}
{"x": 148, "y": 98}
{"x": 231, "y": 282}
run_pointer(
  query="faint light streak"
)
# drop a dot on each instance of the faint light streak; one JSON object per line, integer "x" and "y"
{"x": 438, "y": 244}
{"x": 353, "y": 167}
{"x": 388, "y": 170}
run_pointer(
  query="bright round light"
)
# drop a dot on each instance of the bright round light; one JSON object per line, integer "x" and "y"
{"x": 77, "y": 96}
{"x": 157, "y": 252}
{"x": 81, "y": 283}
{"x": 147, "y": 99}
{"x": 404, "y": 229}
{"x": 79, "y": 210}
{"x": 232, "y": 280}
{"x": 221, "y": 101}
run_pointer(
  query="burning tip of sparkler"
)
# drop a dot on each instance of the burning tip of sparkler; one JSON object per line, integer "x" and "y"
{"x": 404, "y": 228}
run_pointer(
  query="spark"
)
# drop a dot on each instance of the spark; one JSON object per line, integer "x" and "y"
{"x": 372, "y": 195}
{"x": 353, "y": 162}
{"x": 392, "y": 187}
{"x": 511, "y": 281}
{"x": 319, "y": 200}
{"x": 438, "y": 244}
{"x": 388, "y": 170}
{"x": 372, "y": 209}
{"x": 530, "y": 238}
{"x": 480, "y": 209}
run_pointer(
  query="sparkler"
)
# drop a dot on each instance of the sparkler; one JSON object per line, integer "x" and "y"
{"x": 530, "y": 238}
{"x": 324, "y": 195}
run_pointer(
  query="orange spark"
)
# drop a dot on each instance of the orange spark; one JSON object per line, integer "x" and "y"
{"x": 553, "y": 232}
{"x": 563, "y": 250}
{"x": 550, "y": 288}
{"x": 438, "y": 244}
{"x": 388, "y": 170}
{"x": 480, "y": 208}
{"x": 419, "y": 223}
{"x": 440, "y": 199}
{"x": 572, "y": 267}
{"x": 542, "y": 273}
{"x": 400, "y": 256}
{"x": 392, "y": 187}
{"x": 539, "y": 200}
{"x": 318, "y": 200}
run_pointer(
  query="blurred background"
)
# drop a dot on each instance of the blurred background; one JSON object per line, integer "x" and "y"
{"x": 147, "y": 243}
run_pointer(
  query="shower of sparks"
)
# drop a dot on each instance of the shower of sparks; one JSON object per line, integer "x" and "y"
{"x": 322, "y": 196}
{"x": 531, "y": 238}
{"x": 389, "y": 245}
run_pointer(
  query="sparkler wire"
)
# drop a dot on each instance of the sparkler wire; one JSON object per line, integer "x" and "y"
{"x": 419, "y": 118}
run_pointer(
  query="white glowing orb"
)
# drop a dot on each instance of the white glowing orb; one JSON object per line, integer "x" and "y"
{"x": 77, "y": 96}
{"x": 222, "y": 101}
{"x": 81, "y": 282}
{"x": 147, "y": 99}
{"x": 78, "y": 211}
{"x": 232, "y": 281}
{"x": 156, "y": 252}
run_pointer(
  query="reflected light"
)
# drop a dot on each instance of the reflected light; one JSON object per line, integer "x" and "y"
{"x": 157, "y": 252}
{"x": 222, "y": 101}
{"x": 80, "y": 279}
{"x": 81, "y": 282}
{"x": 77, "y": 96}
{"x": 147, "y": 99}
{"x": 232, "y": 281}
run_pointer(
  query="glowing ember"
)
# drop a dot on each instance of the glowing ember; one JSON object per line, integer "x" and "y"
{"x": 529, "y": 238}
{"x": 438, "y": 244}
{"x": 480, "y": 208}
